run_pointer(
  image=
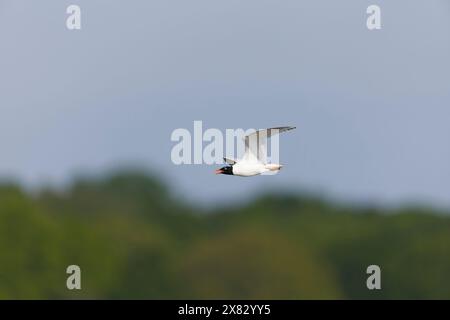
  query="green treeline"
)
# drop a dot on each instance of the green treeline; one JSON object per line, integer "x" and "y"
{"x": 133, "y": 239}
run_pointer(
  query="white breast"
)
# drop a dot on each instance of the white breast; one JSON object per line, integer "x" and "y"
{"x": 248, "y": 169}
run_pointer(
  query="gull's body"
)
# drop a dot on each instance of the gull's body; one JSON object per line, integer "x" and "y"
{"x": 245, "y": 169}
{"x": 254, "y": 161}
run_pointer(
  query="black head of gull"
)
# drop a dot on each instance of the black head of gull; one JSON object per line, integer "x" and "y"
{"x": 225, "y": 170}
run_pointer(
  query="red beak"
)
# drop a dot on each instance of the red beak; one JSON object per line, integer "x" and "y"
{"x": 218, "y": 171}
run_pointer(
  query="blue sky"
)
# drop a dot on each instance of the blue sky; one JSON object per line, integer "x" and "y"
{"x": 372, "y": 108}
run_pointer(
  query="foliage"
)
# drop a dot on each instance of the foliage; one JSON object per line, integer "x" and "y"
{"x": 132, "y": 239}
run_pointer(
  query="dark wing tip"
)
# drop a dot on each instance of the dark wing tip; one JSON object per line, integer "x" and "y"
{"x": 231, "y": 162}
{"x": 285, "y": 128}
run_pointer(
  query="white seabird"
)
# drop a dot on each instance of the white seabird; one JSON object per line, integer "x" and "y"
{"x": 254, "y": 161}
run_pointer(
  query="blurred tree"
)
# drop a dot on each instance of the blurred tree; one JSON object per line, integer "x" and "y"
{"x": 132, "y": 239}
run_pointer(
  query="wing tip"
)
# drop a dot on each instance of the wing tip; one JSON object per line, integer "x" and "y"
{"x": 229, "y": 161}
{"x": 285, "y": 128}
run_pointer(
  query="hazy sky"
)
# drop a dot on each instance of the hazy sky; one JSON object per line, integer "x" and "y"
{"x": 372, "y": 108}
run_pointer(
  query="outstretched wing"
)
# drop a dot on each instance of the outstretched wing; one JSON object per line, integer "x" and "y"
{"x": 256, "y": 143}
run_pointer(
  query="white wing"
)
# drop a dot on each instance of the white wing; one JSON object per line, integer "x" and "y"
{"x": 256, "y": 144}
